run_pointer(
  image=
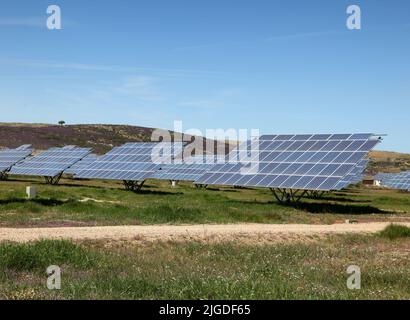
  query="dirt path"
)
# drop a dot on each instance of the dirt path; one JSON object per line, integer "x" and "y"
{"x": 188, "y": 232}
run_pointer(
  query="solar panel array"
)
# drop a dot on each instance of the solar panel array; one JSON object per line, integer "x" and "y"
{"x": 83, "y": 163}
{"x": 304, "y": 162}
{"x": 9, "y": 157}
{"x": 358, "y": 173}
{"x": 399, "y": 181}
{"x": 354, "y": 177}
{"x": 50, "y": 163}
{"x": 190, "y": 169}
{"x": 135, "y": 161}
{"x": 382, "y": 176}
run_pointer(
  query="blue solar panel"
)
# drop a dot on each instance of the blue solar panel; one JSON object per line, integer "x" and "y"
{"x": 305, "y": 162}
{"x": 382, "y": 176}
{"x": 135, "y": 161}
{"x": 189, "y": 170}
{"x": 50, "y": 163}
{"x": 399, "y": 181}
{"x": 9, "y": 157}
{"x": 353, "y": 177}
{"x": 83, "y": 163}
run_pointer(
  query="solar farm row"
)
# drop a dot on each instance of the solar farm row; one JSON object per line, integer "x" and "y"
{"x": 317, "y": 162}
{"x": 190, "y": 169}
{"x": 399, "y": 181}
{"x": 83, "y": 163}
{"x": 303, "y": 162}
{"x": 10, "y": 157}
{"x": 50, "y": 163}
{"x": 131, "y": 161}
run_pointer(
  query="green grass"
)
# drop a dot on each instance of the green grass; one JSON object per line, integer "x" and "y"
{"x": 395, "y": 231}
{"x": 225, "y": 270}
{"x": 38, "y": 256}
{"x": 158, "y": 203}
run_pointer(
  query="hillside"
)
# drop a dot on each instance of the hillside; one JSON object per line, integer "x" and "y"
{"x": 100, "y": 137}
{"x": 385, "y": 161}
{"x": 42, "y": 136}
{"x": 103, "y": 137}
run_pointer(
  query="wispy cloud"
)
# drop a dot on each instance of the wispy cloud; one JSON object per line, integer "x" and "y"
{"x": 37, "y": 22}
{"x": 222, "y": 98}
{"x": 207, "y": 46}
{"x": 306, "y": 35}
{"x": 169, "y": 72}
{"x": 205, "y": 104}
{"x": 140, "y": 87}
{"x": 137, "y": 91}
{"x": 268, "y": 39}
{"x": 334, "y": 32}
{"x": 301, "y": 35}
{"x": 31, "y": 22}
{"x": 199, "y": 104}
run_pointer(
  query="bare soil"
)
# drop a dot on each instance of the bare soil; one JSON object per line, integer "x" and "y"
{"x": 252, "y": 232}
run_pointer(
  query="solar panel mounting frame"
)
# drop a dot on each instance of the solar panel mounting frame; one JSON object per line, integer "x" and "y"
{"x": 342, "y": 152}
{"x": 51, "y": 163}
{"x": 132, "y": 163}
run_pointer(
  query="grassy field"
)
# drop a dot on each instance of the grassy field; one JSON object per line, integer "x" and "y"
{"x": 305, "y": 268}
{"x": 76, "y": 203}
{"x": 228, "y": 270}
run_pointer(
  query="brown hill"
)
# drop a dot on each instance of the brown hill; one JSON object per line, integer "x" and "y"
{"x": 99, "y": 137}
{"x": 103, "y": 137}
{"x": 42, "y": 136}
{"x": 386, "y": 161}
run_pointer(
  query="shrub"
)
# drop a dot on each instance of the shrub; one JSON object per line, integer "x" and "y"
{"x": 395, "y": 231}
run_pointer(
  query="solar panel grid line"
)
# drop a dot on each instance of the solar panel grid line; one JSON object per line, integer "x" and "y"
{"x": 354, "y": 176}
{"x": 189, "y": 169}
{"x": 314, "y": 146}
{"x": 50, "y": 163}
{"x": 399, "y": 181}
{"x": 131, "y": 161}
{"x": 314, "y": 164}
{"x": 10, "y": 157}
{"x": 307, "y": 137}
{"x": 81, "y": 164}
{"x": 382, "y": 176}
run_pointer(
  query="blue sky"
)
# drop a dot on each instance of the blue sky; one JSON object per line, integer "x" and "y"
{"x": 278, "y": 66}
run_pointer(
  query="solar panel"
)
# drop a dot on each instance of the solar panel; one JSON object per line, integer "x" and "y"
{"x": 50, "y": 163}
{"x": 399, "y": 181}
{"x": 382, "y": 176}
{"x": 83, "y": 163}
{"x": 24, "y": 147}
{"x": 135, "y": 161}
{"x": 299, "y": 162}
{"x": 353, "y": 177}
{"x": 190, "y": 169}
{"x": 9, "y": 157}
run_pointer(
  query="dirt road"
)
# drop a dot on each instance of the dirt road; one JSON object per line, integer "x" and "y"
{"x": 188, "y": 232}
